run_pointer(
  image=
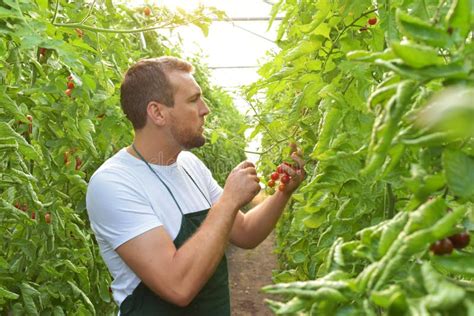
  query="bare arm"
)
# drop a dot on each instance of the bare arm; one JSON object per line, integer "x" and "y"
{"x": 177, "y": 275}
{"x": 252, "y": 228}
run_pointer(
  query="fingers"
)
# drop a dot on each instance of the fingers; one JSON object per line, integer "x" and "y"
{"x": 288, "y": 170}
{"x": 293, "y": 148}
{"x": 257, "y": 189}
{"x": 245, "y": 164}
{"x": 296, "y": 156}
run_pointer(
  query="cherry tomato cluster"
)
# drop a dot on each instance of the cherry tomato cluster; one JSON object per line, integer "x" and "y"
{"x": 24, "y": 207}
{"x": 67, "y": 161}
{"x": 445, "y": 246}
{"x": 70, "y": 85}
{"x": 281, "y": 175}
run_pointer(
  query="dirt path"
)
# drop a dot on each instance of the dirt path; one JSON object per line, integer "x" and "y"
{"x": 249, "y": 271}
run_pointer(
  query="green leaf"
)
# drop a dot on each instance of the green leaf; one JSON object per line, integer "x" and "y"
{"x": 58, "y": 311}
{"x": 459, "y": 18}
{"x": 86, "y": 128}
{"x": 451, "y": 112}
{"x": 26, "y": 149}
{"x": 6, "y": 294}
{"x": 419, "y": 30}
{"x": 386, "y": 297}
{"x": 43, "y": 4}
{"x": 76, "y": 290}
{"x": 323, "y": 9}
{"x": 305, "y": 47}
{"x": 314, "y": 220}
{"x": 294, "y": 305}
{"x": 459, "y": 169}
{"x": 27, "y": 293}
{"x": 460, "y": 264}
{"x": 417, "y": 56}
{"x": 443, "y": 294}
{"x": 367, "y": 56}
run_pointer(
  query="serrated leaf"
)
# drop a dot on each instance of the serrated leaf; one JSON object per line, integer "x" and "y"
{"x": 415, "y": 55}
{"x": 314, "y": 220}
{"x": 85, "y": 298}
{"x": 27, "y": 293}
{"x": 26, "y": 149}
{"x": 420, "y": 30}
{"x": 6, "y": 294}
{"x": 460, "y": 264}
{"x": 459, "y": 169}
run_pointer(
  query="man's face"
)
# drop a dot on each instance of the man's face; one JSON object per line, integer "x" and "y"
{"x": 187, "y": 115}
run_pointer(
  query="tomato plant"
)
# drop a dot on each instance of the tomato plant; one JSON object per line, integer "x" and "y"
{"x": 379, "y": 95}
{"x": 53, "y": 139}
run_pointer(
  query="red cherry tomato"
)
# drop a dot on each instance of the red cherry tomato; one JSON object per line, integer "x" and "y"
{"x": 285, "y": 179}
{"x": 460, "y": 240}
{"x": 271, "y": 183}
{"x": 442, "y": 247}
{"x": 281, "y": 187}
{"x": 78, "y": 163}
{"x": 147, "y": 11}
{"x": 68, "y": 92}
{"x": 280, "y": 169}
{"x": 275, "y": 176}
{"x": 70, "y": 85}
{"x": 79, "y": 32}
{"x": 372, "y": 21}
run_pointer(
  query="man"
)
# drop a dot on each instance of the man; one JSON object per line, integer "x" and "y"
{"x": 160, "y": 219}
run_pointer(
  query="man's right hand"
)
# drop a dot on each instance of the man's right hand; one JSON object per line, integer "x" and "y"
{"x": 242, "y": 184}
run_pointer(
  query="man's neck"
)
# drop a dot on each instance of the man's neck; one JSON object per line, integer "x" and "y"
{"x": 154, "y": 150}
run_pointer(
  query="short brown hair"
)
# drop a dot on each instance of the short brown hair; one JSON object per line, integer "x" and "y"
{"x": 147, "y": 81}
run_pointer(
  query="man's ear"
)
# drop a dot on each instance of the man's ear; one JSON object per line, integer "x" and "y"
{"x": 157, "y": 112}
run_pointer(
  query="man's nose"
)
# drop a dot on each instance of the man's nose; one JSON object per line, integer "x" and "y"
{"x": 204, "y": 109}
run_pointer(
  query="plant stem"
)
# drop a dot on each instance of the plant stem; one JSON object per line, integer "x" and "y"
{"x": 341, "y": 33}
{"x": 108, "y": 30}
{"x": 261, "y": 122}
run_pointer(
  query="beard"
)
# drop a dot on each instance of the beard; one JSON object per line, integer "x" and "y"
{"x": 186, "y": 138}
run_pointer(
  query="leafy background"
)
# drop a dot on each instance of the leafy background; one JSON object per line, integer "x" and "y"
{"x": 55, "y": 268}
{"x": 384, "y": 114}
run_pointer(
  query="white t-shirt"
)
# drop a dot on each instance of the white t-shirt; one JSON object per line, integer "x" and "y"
{"x": 125, "y": 199}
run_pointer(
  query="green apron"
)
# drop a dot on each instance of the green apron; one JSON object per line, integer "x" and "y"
{"x": 213, "y": 299}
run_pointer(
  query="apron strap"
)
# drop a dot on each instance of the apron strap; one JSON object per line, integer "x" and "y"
{"x": 210, "y": 205}
{"x": 166, "y": 186}
{"x": 159, "y": 178}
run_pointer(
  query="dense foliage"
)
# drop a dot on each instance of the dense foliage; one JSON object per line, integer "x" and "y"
{"x": 379, "y": 95}
{"x": 61, "y": 64}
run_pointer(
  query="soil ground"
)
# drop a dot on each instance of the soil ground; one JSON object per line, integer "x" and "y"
{"x": 249, "y": 271}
